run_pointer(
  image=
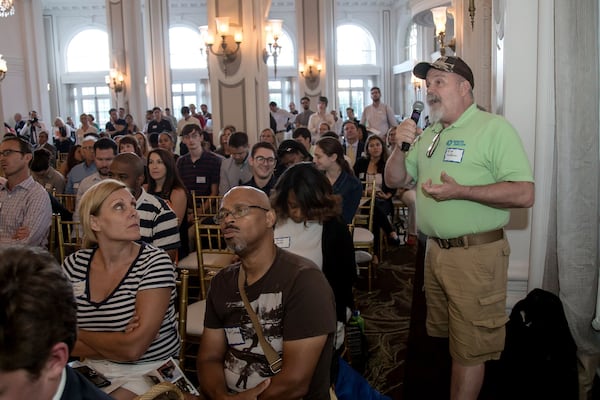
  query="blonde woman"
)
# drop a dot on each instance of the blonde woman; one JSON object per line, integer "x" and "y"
{"x": 125, "y": 292}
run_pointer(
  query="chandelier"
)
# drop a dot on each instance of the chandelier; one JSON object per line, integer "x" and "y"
{"x": 7, "y": 8}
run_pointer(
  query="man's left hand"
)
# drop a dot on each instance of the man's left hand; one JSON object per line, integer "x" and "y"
{"x": 21, "y": 233}
{"x": 447, "y": 190}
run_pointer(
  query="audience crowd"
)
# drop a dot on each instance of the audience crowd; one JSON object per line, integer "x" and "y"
{"x": 130, "y": 190}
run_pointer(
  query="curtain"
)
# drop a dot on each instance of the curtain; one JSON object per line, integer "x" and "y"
{"x": 571, "y": 265}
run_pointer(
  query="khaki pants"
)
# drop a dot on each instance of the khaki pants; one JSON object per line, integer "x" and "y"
{"x": 587, "y": 364}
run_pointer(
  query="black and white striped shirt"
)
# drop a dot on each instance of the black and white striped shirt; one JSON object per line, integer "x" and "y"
{"x": 158, "y": 223}
{"x": 151, "y": 269}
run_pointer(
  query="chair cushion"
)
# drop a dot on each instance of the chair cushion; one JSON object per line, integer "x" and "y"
{"x": 211, "y": 260}
{"x": 216, "y": 260}
{"x": 195, "y": 318}
{"x": 189, "y": 262}
{"x": 362, "y": 256}
{"x": 362, "y": 235}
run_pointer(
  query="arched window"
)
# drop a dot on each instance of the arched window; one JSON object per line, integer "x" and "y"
{"x": 184, "y": 45}
{"x": 355, "y": 46}
{"x": 288, "y": 52}
{"x": 88, "y": 51}
{"x": 412, "y": 42}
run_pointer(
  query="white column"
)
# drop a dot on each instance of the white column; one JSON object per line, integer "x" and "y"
{"x": 158, "y": 67}
{"x": 125, "y": 30}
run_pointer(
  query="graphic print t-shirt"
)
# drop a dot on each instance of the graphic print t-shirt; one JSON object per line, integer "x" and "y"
{"x": 292, "y": 301}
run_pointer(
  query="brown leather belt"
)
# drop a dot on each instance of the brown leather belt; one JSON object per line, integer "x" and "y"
{"x": 470, "y": 240}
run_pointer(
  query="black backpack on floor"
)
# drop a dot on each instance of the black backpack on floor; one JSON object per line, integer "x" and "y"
{"x": 539, "y": 360}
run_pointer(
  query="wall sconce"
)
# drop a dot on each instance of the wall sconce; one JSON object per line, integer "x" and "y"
{"x": 228, "y": 54}
{"x": 439, "y": 20}
{"x": 310, "y": 73}
{"x": 115, "y": 81}
{"x": 472, "y": 13}
{"x": 273, "y": 32}
{"x": 7, "y": 8}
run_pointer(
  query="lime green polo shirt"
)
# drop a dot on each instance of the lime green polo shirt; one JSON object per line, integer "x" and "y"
{"x": 478, "y": 149}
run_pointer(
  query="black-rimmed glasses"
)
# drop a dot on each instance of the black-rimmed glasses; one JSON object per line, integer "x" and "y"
{"x": 237, "y": 212}
{"x": 8, "y": 152}
{"x": 262, "y": 160}
{"x": 434, "y": 144}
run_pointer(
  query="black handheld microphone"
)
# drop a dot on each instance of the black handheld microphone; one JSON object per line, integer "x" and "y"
{"x": 418, "y": 106}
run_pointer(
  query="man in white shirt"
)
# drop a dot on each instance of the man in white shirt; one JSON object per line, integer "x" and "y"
{"x": 378, "y": 117}
{"x": 322, "y": 115}
{"x": 283, "y": 120}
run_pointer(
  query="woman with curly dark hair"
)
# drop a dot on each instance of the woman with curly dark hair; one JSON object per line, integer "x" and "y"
{"x": 309, "y": 223}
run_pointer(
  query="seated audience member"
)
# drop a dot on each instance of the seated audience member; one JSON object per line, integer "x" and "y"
{"x": 125, "y": 291}
{"x": 164, "y": 182}
{"x": 44, "y": 174}
{"x": 84, "y": 169}
{"x": 166, "y": 142}
{"x": 223, "y": 139}
{"x": 105, "y": 151}
{"x": 207, "y": 143}
{"x": 130, "y": 144}
{"x": 143, "y": 143}
{"x": 44, "y": 144}
{"x": 293, "y": 302}
{"x": 267, "y": 135}
{"x": 74, "y": 157}
{"x": 85, "y": 128}
{"x": 370, "y": 169}
{"x": 329, "y": 158}
{"x": 323, "y": 127}
{"x": 38, "y": 330}
{"x": 289, "y": 153}
{"x": 309, "y": 223}
{"x": 303, "y": 136}
{"x": 158, "y": 223}
{"x": 131, "y": 127}
{"x": 235, "y": 170}
{"x": 198, "y": 169}
{"x": 262, "y": 160}
{"x": 25, "y": 209}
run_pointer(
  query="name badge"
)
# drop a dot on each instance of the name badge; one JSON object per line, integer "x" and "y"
{"x": 234, "y": 336}
{"x": 453, "y": 155}
{"x": 283, "y": 242}
{"x": 76, "y": 185}
{"x": 200, "y": 179}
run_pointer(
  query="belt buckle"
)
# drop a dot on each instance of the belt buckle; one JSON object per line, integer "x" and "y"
{"x": 275, "y": 367}
{"x": 443, "y": 243}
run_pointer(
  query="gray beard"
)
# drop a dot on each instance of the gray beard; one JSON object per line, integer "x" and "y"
{"x": 435, "y": 115}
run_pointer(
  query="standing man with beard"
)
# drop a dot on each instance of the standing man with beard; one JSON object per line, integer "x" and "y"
{"x": 471, "y": 168}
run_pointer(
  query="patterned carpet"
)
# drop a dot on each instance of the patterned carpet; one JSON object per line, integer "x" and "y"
{"x": 387, "y": 312}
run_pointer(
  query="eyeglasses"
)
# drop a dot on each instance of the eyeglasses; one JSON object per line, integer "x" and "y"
{"x": 6, "y": 153}
{"x": 263, "y": 160}
{"x": 237, "y": 212}
{"x": 434, "y": 144}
